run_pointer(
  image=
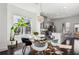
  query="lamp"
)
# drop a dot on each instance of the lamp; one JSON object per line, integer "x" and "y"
{"x": 40, "y": 18}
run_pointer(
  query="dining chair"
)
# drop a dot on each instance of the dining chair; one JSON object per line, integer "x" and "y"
{"x": 26, "y": 42}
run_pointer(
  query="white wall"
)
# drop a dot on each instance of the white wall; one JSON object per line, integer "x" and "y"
{"x": 3, "y": 27}
{"x": 15, "y": 10}
{"x": 72, "y": 20}
{"x": 31, "y": 7}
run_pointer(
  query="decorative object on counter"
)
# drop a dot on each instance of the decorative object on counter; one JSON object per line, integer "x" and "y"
{"x": 14, "y": 29}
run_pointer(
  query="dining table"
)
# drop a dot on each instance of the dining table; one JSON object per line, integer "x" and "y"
{"x": 51, "y": 48}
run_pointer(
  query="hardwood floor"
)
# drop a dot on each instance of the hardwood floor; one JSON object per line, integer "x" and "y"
{"x": 11, "y": 50}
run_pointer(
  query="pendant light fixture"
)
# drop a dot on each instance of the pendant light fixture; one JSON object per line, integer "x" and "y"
{"x": 40, "y": 18}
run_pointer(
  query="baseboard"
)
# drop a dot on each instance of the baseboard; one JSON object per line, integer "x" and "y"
{"x": 3, "y": 49}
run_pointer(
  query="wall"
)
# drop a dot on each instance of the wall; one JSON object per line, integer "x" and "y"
{"x": 3, "y": 27}
{"x": 58, "y": 22}
{"x": 14, "y": 10}
{"x": 31, "y": 7}
{"x": 72, "y": 20}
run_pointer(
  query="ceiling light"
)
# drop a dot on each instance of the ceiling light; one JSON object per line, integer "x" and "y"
{"x": 40, "y": 18}
{"x": 65, "y": 7}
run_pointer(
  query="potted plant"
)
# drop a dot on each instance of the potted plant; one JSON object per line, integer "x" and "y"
{"x": 20, "y": 24}
{"x": 35, "y": 35}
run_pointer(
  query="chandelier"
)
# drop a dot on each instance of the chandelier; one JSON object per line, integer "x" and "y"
{"x": 40, "y": 18}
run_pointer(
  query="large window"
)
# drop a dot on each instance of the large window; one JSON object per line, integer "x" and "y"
{"x": 23, "y": 30}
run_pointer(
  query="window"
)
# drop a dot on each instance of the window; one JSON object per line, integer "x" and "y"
{"x": 22, "y": 30}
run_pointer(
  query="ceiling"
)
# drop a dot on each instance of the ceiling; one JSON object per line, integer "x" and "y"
{"x": 59, "y": 10}
{"x": 52, "y": 10}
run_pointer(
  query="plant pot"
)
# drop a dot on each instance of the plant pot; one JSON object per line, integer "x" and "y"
{"x": 13, "y": 42}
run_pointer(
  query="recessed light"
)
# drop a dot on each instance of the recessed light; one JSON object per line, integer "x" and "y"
{"x": 65, "y": 7}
